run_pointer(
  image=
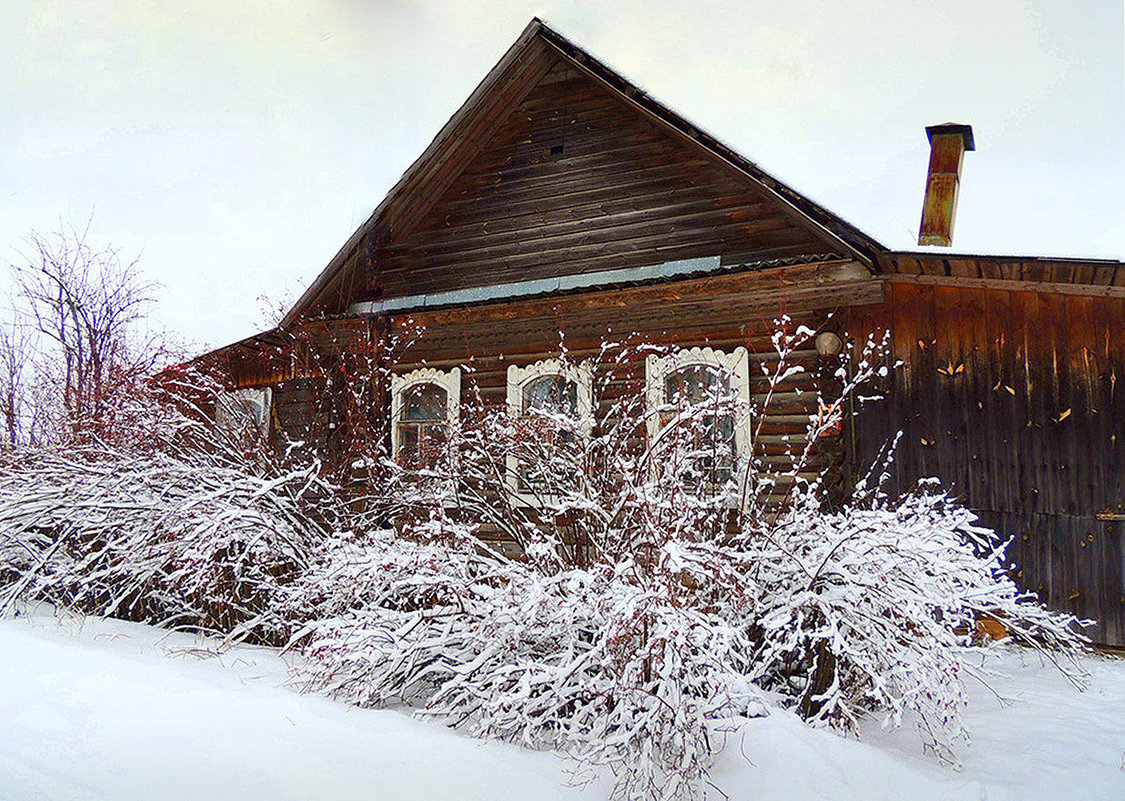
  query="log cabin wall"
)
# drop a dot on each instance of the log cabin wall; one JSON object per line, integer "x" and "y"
{"x": 1011, "y": 399}
{"x": 722, "y": 312}
{"x": 296, "y": 406}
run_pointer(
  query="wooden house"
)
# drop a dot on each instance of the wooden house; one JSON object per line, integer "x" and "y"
{"x": 562, "y": 198}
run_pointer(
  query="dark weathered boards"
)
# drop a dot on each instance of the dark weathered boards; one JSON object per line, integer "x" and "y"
{"x": 1012, "y": 399}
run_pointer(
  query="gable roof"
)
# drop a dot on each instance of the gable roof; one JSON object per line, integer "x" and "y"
{"x": 463, "y": 137}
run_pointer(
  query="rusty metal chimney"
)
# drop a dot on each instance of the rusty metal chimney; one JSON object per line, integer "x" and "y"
{"x": 948, "y": 144}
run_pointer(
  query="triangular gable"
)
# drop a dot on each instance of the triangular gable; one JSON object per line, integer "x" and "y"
{"x": 539, "y": 59}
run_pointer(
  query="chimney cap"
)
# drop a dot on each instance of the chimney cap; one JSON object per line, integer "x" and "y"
{"x": 966, "y": 132}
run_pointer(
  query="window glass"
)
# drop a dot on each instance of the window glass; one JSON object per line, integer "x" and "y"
{"x": 694, "y": 384}
{"x": 699, "y": 404}
{"x": 550, "y": 441}
{"x": 552, "y": 394}
{"x": 244, "y": 411}
{"x": 422, "y": 428}
{"x": 425, "y": 402}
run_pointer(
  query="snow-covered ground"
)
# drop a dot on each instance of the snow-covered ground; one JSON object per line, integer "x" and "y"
{"x": 99, "y": 709}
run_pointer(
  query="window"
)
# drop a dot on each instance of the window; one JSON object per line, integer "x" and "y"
{"x": 699, "y": 419}
{"x": 244, "y": 412}
{"x": 424, "y": 406}
{"x": 551, "y": 387}
{"x": 553, "y": 402}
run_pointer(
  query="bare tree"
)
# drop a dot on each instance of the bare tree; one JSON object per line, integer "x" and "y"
{"x": 272, "y": 308}
{"x": 88, "y": 308}
{"x": 15, "y": 358}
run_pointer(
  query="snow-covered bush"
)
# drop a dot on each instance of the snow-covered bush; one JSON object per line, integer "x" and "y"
{"x": 874, "y": 608}
{"x": 164, "y": 522}
{"x": 638, "y": 665}
{"x": 660, "y": 587}
{"x": 598, "y": 662}
{"x": 646, "y": 607}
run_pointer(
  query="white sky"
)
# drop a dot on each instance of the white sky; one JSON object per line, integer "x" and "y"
{"x": 235, "y": 145}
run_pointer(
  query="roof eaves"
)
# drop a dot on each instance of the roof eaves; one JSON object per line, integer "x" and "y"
{"x": 931, "y": 254}
{"x": 665, "y": 273}
{"x": 329, "y": 273}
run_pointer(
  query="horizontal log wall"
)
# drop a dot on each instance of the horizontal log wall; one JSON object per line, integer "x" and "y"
{"x": 722, "y": 312}
{"x": 1012, "y": 400}
{"x": 577, "y": 180}
{"x": 296, "y": 406}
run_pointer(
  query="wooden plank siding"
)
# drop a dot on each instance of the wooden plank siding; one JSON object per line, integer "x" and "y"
{"x": 1012, "y": 400}
{"x": 574, "y": 181}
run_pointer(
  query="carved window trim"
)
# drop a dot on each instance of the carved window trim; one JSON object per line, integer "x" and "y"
{"x": 248, "y": 408}
{"x": 735, "y": 364}
{"x": 582, "y": 374}
{"x": 449, "y": 381}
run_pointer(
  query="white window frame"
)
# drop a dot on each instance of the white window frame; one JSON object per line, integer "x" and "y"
{"x": 449, "y": 380}
{"x": 735, "y": 364}
{"x": 582, "y": 374}
{"x": 238, "y": 410}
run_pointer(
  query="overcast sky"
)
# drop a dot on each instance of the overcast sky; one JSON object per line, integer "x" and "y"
{"x": 235, "y": 145}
